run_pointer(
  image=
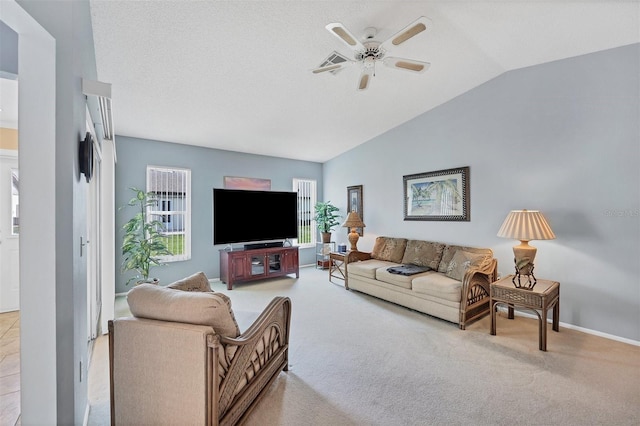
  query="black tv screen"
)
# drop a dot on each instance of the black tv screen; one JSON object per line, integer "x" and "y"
{"x": 244, "y": 216}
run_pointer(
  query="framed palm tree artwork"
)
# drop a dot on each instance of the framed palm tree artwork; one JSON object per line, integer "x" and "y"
{"x": 439, "y": 195}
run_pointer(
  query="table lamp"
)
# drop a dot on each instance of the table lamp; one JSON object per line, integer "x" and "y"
{"x": 525, "y": 225}
{"x": 353, "y": 221}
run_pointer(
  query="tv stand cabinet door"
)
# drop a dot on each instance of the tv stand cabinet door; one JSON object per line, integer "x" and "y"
{"x": 240, "y": 265}
{"x": 290, "y": 263}
{"x": 234, "y": 267}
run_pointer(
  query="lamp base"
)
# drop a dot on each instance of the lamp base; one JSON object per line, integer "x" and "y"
{"x": 524, "y": 254}
{"x": 353, "y": 239}
{"x": 524, "y": 281}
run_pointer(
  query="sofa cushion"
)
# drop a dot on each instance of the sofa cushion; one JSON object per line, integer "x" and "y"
{"x": 438, "y": 285}
{"x": 192, "y": 307}
{"x": 450, "y": 250}
{"x": 403, "y": 281}
{"x": 389, "y": 249}
{"x": 423, "y": 253}
{"x": 461, "y": 261}
{"x": 195, "y": 282}
{"x": 367, "y": 268}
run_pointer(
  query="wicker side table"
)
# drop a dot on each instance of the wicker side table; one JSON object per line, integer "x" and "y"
{"x": 544, "y": 296}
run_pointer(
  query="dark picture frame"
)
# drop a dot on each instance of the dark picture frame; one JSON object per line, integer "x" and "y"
{"x": 440, "y": 195}
{"x": 354, "y": 203}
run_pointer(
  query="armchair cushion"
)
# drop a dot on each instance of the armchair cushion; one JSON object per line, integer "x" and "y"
{"x": 195, "y": 282}
{"x": 192, "y": 307}
{"x": 389, "y": 249}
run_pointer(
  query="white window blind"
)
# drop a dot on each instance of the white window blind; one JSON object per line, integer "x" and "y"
{"x": 307, "y": 198}
{"x": 172, "y": 188}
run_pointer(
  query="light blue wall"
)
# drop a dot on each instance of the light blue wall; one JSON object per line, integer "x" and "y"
{"x": 208, "y": 168}
{"x": 8, "y": 52}
{"x": 561, "y": 137}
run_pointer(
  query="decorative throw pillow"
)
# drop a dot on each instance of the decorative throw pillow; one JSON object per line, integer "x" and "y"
{"x": 195, "y": 282}
{"x": 423, "y": 253}
{"x": 192, "y": 307}
{"x": 461, "y": 261}
{"x": 389, "y": 249}
{"x": 450, "y": 251}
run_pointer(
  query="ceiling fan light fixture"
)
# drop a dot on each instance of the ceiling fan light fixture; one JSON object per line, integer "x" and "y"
{"x": 370, "y": 51}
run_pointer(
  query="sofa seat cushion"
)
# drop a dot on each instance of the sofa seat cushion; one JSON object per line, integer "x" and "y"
{"x": 368, "y": 268}
{"x": 438, "y": 285}
{"x": 192, "y": 307}
{"x": 389, "y": 249}
{"x": 403, "y": 281}
{"x": 423, "y": 253}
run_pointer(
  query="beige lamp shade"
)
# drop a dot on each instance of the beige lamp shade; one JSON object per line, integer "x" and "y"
{"x": 353, "y": 221}
{"x": 525, "y": 225}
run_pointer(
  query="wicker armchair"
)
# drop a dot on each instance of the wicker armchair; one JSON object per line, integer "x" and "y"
{"x": 167, "y": 372}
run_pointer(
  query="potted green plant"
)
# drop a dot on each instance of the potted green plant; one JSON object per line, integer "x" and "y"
{"x": 143, "y": 243}
{"x": 326, "y": 219}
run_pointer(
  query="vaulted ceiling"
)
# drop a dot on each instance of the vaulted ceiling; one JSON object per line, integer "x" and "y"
{"x": 236, "y": 75}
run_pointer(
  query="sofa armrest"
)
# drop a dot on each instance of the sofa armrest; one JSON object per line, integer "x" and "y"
{"x": 253, "y": 360}
{"x": 356, "y": 256}
{"x": 474, "y": 301}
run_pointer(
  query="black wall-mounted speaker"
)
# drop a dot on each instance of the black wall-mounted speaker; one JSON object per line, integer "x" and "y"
{"x": 85, "y": 156}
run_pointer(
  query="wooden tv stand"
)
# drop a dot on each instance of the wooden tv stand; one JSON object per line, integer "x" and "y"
{"x": 249, "y": 265}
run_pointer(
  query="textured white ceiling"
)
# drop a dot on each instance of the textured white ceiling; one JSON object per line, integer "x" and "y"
{"x": 236, "y": 75}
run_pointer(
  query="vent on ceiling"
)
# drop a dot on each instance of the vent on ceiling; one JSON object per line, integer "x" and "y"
{"x": 333, "y": 59}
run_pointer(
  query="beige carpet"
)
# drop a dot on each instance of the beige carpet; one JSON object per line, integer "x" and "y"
{"x": 357, "y": 360}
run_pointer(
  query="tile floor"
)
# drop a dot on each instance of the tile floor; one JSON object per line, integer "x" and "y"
{"x": 10, "y": 369}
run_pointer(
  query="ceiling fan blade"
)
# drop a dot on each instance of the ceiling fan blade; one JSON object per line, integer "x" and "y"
{"x": 344, "y": 35}
{"x": 411, "y": 30}
{"x": 407, "y": 64}
{"x": 365, "y": 79}
{"x": 332, "y": 67}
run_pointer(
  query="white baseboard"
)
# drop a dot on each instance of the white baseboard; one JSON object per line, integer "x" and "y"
{"x": 577, "y": 328}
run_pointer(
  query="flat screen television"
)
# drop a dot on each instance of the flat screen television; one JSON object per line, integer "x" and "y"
{"x": 242, "y": 216}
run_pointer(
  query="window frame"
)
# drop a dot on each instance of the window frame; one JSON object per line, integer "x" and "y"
{"x": 311, "y": 194}
{"x": 172, "y": 216}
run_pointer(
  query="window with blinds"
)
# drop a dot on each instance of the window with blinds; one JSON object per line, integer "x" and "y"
{"x": 307, "y": 198}
{"x": 172, "y": 208}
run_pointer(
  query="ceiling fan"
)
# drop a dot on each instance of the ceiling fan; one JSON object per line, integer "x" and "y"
{"x": 369, "y": 52}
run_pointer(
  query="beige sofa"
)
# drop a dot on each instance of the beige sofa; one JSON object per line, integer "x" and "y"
{"x": 181, "y": 358}
{"x": 456, "y": 288}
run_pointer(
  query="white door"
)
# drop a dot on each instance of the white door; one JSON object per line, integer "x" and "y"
{"x": 9, "y": 233}
{"x": 93, "y": 244}
{"x": 92, "y": 241}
